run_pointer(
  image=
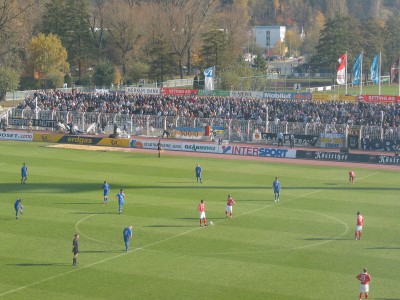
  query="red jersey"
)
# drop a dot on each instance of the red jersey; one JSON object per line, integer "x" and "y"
{"x": 360, "y": 220}
{"x": 230, "y": 202}
{"x": 201, "y": 207}
{"x": 365, "y": 278}
{"x": 352, "y": 174}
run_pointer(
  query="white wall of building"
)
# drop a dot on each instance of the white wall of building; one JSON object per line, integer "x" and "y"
{"x": 266, "y": 37}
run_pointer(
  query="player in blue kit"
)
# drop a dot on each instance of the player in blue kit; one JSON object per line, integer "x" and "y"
{"x": 127, "y": 234}
{"x": 198, "y": 174}
{"x": 276, "y": 186}
{"x": 121, "y": 198}
{"x": 106, "y": 191}
{"x": 24, "y": 173}
{"x": 18, "y": 207}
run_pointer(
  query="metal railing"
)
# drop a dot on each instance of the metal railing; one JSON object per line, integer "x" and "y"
{"x": 234, "y": 130}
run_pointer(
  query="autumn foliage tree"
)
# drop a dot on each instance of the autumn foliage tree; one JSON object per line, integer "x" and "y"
{"x": 48, "y": 58}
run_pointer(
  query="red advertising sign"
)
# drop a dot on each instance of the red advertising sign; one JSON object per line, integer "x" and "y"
{"x": 378, "y": 98}
{"x": 178, "y": 92}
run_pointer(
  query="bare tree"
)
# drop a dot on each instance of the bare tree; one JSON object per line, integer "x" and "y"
{"x": 17, "y": 24}
{"x": 125, "y": 25}
{"x": 98, "y": 11}
{"x": 184, "y": 21}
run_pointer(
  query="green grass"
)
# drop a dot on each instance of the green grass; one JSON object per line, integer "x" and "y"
{"x": 386, "y": 89}
{"x": 301, "y": 248}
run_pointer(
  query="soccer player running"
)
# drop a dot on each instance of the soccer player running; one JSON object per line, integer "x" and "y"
{"x": 75, "y": 249}
{"x": 364, "y": 279}
{"x": 127, "y": 234}
{"x": 229, "y": 207}
{"x": 352, "y": 176}
{"x": 198, "y": 171}
{"x": 201, "y": 208}
{"x": 18, "y": 207}
{"x": 276, "y": 186}
{"x": 24, "y": 173}
{"x": 121, "y": 199}
{"x": 359, "y": 226}
{"x": 106, "y": 191}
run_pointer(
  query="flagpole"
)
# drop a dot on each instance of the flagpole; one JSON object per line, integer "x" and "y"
{"x": 379, "y": 73}
{"x": 398, "y": 73}
{"x": 345, "y": 74}
{"x": 361, "y": 74}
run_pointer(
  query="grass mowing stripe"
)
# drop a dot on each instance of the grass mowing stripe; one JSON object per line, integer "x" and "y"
{"x": 186, "y": 232}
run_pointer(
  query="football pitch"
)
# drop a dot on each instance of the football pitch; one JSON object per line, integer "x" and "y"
{"x": 300, "y": 248}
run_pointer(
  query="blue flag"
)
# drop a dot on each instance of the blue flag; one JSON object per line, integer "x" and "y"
{"x": 375, "y": 69}
{"x": 209, "y": 72}
{"x": 357, "y": 69}
{"x": 209, "y": 79}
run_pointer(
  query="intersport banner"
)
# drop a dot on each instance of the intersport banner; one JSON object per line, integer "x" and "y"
{"x": 214, "y": 148}
{"x": 16, "y": 136}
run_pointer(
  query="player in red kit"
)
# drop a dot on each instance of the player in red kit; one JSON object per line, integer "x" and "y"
{"x": 201, "y": 208}
{"x": 364, "y": 278}
{"x": 229, "y": 207}
{"x": 352, "y": 176}
{"x": 359, "y": 226}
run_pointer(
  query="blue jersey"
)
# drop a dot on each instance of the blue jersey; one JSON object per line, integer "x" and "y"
{"x": 24, "y": 171}
{"x": 17, "y": 204}
{"x": 106, "y": 189}
{"x": 121, "y": 199}
{"x": 127, "y": 233}
{"x": 198, "y": 171}
{"x": 277, "y": 186}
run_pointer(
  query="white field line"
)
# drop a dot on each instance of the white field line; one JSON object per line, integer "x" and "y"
{"x": 153, "y": 244}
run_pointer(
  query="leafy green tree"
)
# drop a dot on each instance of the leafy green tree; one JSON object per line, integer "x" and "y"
{"x": 162, "y": 64}
{"x": 259, "y": 62}
{"x": 70, "y": 21}
{"x": 215, "y": 48}
{"x": 48, "y": 58}
{"x": 392, "y": 39}
{"x": 337, "y": 37}
{"x": 236, "y": 77}
{"x": 9, "y": 80}
{"x": 372, "y": 41}
{"x": 104, "y": 73}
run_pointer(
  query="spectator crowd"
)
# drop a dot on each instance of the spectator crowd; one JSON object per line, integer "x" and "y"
{"x": 305, "y": 111}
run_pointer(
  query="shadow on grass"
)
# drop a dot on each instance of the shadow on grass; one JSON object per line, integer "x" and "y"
{"x": 387, "y": 298}
{"x": 161, "y": 225}
{"x": 383, "y": 248}
{"x": 83, "y": 187}
{"x": 259, "y": 200}
{"x": 198, "y": 218}
{"x": 73, "y": 203}
{"x": 326, "y": 239}
{"x": 40, "y": 265}
{"x": 93, "y": 213}
{"x": 100, "y": 251}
